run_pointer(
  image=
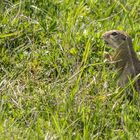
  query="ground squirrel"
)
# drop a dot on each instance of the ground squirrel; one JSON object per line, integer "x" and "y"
{"x": 125, "y": 58}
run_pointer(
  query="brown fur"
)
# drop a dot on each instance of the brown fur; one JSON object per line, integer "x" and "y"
{"x": 125, "y": 57}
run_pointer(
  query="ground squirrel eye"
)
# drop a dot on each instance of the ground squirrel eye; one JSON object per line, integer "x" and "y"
{"x": 114, "y": 34}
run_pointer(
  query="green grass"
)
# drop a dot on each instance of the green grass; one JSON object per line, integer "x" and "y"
{"x": 54, "y": 83}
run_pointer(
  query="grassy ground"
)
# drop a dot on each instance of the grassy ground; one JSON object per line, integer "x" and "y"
{"x": 54, "y": 83}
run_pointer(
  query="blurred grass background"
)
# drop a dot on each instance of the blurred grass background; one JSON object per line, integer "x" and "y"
{"x": 54, "y": 83}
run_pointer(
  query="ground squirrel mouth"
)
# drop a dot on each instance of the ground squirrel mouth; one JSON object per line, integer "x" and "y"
{"x": 106, "y": 42}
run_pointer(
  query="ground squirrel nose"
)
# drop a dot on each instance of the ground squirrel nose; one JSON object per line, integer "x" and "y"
{"x": 104, "y": 35}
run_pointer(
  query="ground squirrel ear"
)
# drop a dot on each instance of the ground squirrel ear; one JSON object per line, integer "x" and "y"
{"x": 124, "y": 38}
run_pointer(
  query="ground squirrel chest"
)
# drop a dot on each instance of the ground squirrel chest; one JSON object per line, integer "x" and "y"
{"x": 125, "y": 57}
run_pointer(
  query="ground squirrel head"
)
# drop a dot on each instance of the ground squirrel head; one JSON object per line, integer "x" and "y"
{"x": 116, "y": 39}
